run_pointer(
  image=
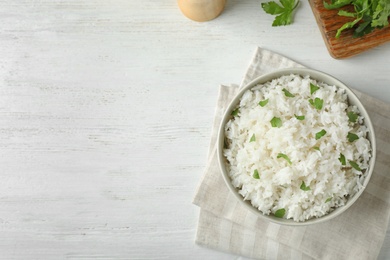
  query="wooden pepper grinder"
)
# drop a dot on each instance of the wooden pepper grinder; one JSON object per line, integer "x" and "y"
{"x": 201, "y": 10}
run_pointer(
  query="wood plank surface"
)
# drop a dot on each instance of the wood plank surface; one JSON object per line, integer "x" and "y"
{"x": 106, "y": 109}
{"x": 346, "y": 45}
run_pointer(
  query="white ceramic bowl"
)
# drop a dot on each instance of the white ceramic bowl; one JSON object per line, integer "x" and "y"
{"x": 319, "y": 76}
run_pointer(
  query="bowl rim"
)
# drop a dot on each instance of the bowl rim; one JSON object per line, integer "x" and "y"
{"x": 319, "y": 76}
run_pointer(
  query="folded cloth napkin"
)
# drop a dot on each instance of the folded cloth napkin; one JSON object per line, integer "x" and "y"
{"x": 358, "y": 233}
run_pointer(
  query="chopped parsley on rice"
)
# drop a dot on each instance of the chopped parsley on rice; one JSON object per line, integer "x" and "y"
{"x": 295, "y": 148}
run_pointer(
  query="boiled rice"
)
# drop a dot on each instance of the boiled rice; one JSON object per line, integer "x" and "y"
{"x": 253, "y": 144}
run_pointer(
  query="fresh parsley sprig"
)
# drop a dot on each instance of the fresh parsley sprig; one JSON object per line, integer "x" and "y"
{"x": 367, "y": 15}
{"x": 284, "y": 12}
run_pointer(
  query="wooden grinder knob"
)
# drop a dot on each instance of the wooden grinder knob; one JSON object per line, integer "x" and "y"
{"x": 201, "y": 10}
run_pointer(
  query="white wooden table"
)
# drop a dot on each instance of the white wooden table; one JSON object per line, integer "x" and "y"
{"x": 105, "y": 116}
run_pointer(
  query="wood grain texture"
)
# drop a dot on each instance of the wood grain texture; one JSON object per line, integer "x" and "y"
{"x": 106, "y": 110}
{"x": 346, "y": 45}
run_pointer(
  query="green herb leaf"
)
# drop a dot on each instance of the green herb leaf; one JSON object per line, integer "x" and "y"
{"x": 354, "y": 165}
{"x": 317, "y": 103}
{"x": 272, "y": 8}
{"x": 287, "y": 93}
{"x": 352, "y": 137}
{"x": 253, "y": 138}
{"x": 364, "y": 27}
{"x": 283, "y": 19}
{"x": 347, "y": 25}
{"x": 346, "y": 13}
{"x": 287, "y": 3}
{"x": 342, "y": 159}
{"x": 263, "y": 102}
{"x": 235, "y": 112}
{"x": 380, "y": 18}
{"x": 280, "y": 213}
{"x": 282, "y": 155}
{"x": 352, "y": 117}
{"x": 328, "y": 199}
{"x": 284, "y": 11}
{"x": 304, "y": 187}
{"x": 256, "y": 174}
{"x": 276, "y": 122}
{"x": 335, "y": 4}
{"x": 316, "y": 148}
{"x": 366, "y": 15}
{"x": 320, "y": 134}
{"x": 299, "y": 117}
{"x": 313, "y": 88}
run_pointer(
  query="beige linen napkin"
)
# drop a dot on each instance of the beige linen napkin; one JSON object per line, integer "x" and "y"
{"x": 356, "y": 234}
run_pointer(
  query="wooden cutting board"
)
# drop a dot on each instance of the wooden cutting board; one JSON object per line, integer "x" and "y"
{"x": 346, "y": 46}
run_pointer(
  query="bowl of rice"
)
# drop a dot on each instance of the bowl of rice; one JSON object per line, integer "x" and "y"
{"x": 296, "y": 147}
